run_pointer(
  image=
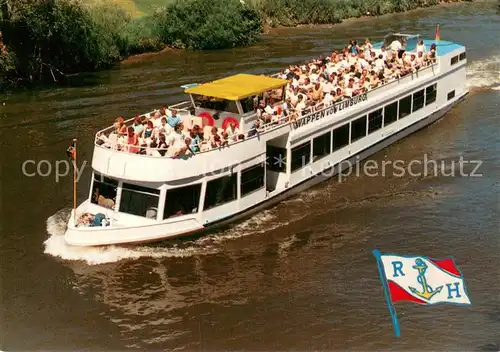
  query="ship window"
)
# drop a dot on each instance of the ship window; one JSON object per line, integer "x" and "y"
{"x": 430, "y": 94}
{"x": 418, "y": 100}
{"x": 220, "y": 191}
{"x": 340, "y": 137}
{"x": 232, "y": 107}
{"x": 374, "y": 121}
{"x": 451, "y": 95}
{"x": 301, "y": 156}
{"x": 358, "y": 128}
{"x": 405, "y": 107}
{"x": 213, "y": 103}
{"x": 249, "y": 104}
{"x": 252, "y": 179}
{"x": 276, "y": 158}
{"x": 140, "y": 201}
{"x": 182, "y": 201}
{"x": 390, "y": 113}
{"x": 462, "y": 56}
{"x": 322, "y": 146}
{"x": 454, "y": 60}
{"x": 104, "y": 191}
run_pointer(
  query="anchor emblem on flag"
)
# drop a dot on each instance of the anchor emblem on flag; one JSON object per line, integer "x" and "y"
{"x": 401, "y": 274}
{"x": 427, "y": 292}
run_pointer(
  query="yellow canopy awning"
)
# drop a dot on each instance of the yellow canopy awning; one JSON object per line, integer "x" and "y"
{"x": 237, "y": 87}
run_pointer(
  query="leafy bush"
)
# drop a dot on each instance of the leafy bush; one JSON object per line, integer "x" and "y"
{"x": 51, "y": 37}
{"x": 294, "y": 12}
{"x": 108, "y": 22}
{"x": 207, "y": 24}
{"x": 140, "y": 36}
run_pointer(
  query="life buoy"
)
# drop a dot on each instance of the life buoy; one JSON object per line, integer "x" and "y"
{"x": 229, "y": 120}
{"x": 207, "y": 119}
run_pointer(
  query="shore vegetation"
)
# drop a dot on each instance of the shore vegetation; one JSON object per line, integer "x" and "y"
{"x": 47, "y": 40}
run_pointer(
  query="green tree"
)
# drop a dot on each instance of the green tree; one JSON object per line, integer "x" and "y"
{"x": 207, "y": 24}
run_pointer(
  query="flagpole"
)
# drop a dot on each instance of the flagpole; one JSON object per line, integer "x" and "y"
{"x": 74, "y": 180}
{"x": 385, "y": 285}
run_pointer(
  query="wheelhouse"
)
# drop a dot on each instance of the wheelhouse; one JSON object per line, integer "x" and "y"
{"x": 234, "y": 98}
{"x": 409, "y": 41}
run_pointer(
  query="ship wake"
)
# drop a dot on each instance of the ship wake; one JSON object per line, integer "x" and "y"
{"x": 56, "y": 246}
{"x": 484, "y": 74}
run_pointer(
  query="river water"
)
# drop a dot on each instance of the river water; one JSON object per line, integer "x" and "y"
{"x": 299, "y": 275}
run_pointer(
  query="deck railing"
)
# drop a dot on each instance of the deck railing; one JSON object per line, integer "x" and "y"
{"x": 182, "y": 112}
{"x": 291, "y": 118}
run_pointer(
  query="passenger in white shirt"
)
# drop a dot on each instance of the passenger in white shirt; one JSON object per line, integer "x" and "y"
{"x": 383, "y": 52}
{"x": 301, "y": 104}
{"x": 396, "y": 45}
{"x": 176, "y": 141}
{"x": 286, "y": 105}
{"x": 156, "y": 120}
{"x": 165, "y": 128}
{"x": 363, "y": 63}
{"x": 327, "y": 87}
{"x": 379, "y": 63}
{"x": 314, "y": 76}
{"x": 368, "y": 46}
{"x": 327, "y": 99}
{"x": 348, "y": 92}
{"x": 232, "y": 131}
{"x": 307, "y": 84}
{"x": 352, "y": 59}
{"x": 269, "y": 109}
{"x": 368, "y": 55}
{"x": 420, "y": 46}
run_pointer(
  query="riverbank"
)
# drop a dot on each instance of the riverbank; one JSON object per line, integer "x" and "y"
{"x": 268, "y": 29}
{"x": 291, "y": 13}
{"x": 352, "y": 20}
{"x": 67, "y": 37}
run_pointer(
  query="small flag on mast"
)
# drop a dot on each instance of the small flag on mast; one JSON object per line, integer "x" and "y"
{"x": 438, "y": 35}
{"x": 71, "y": 151}
{"x": 421, "y": 280}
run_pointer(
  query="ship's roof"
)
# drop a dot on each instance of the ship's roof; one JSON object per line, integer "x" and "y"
{"x": 237, "y": 87}
{"x": 443, "y": 47}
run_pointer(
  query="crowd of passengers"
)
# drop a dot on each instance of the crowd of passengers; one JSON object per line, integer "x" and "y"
{"x": 162, "y": 133}
{"x": 344, "y": 74}
{"x": 355, "y": 70}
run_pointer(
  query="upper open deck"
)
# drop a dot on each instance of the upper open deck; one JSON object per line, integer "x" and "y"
{"x": 133, "y": 166}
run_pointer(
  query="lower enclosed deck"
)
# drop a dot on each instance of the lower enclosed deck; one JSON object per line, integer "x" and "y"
{"x": 152, "y": 211}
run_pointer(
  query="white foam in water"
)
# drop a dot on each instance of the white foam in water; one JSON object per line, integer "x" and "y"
{"x": 57, "y": 247}
{"x": 258, "y": 224}
{"x": 484, "y": 73}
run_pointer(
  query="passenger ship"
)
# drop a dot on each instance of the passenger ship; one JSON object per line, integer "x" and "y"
{"x": 157, "y": 198}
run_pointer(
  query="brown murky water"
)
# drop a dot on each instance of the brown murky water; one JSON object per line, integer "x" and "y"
{"x": 297, "y": 276}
